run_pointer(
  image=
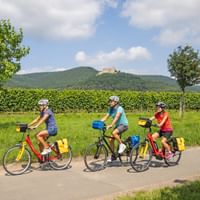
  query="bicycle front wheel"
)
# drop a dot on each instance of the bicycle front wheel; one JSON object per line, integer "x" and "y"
{"x": 16, "y": 160}
{"x": 140, "y": 157}
{"x": 60, "y": 161}
{"x": 95, "y": 157}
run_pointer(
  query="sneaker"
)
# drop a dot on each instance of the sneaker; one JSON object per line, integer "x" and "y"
{"x": 46, "y": 151}
{"x": 112, "y": 158}
{"x": 169, "y": 155}
{"x": 122, "y": 147}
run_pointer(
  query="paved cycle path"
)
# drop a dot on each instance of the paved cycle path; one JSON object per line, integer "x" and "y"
{"x": 78, "y": 184}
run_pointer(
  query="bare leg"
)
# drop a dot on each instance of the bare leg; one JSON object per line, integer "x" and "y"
{"x": 155, "y": 136}
{"x": 164, "y": 143}
{"x": 112, "y": 145}
{"x": 41, "y": 136}
{"x": 115, "y": 134}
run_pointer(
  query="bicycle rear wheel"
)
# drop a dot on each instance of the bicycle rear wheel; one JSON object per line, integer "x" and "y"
{"x": 174, "y": 160}
{"x": 95, "y": 157}
{"x": 140, "y": 157}
{"x": 60, "y": 161}
{"x": 16, "y": 160}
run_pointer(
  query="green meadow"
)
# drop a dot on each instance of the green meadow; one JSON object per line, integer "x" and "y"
{"x": 187, "y": 191}
{"x": 76, "y": 127}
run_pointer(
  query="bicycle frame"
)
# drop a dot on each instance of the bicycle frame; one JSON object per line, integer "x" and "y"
{"x": 36, "y": 153}
{"x": 153, "y": 144}
{"x": 103, "y": 138}
{"x": 30, "y": 144}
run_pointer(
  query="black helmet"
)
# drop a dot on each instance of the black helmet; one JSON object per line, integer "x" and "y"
{"x": 161, "y": 105}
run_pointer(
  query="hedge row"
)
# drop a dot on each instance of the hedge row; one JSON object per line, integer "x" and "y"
{"x": 18, "y": 100}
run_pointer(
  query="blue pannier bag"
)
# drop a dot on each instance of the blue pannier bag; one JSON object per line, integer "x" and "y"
{"x": 135, "y": 139}
{"x": 98, "y": 125}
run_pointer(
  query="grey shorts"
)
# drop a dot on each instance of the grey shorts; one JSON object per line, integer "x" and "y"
{"x": 122, "y": 128}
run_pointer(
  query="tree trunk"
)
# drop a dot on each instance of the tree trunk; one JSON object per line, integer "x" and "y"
{"x": 182, "y": 104}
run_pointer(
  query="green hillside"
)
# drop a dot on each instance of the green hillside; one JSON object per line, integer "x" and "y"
{"x": 86, "y": 78}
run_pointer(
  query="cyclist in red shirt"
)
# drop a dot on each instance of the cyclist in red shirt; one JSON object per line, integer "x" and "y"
{"x": 164, "y": 123}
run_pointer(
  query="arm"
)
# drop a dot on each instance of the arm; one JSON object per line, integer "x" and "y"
{"x": 163, "y": 121}
{"x": 114, "y": 120}
{"x": 34, "y": 121}
{"x": 105, "y": 117}
{"x": 42, "y": 120}
{"x": 152, "y": 118}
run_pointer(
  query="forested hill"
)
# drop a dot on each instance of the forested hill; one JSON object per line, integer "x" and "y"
{"x": 87, "y": 78}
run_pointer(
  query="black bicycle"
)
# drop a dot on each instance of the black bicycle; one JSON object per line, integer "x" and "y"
{"x": 96, "y": 154}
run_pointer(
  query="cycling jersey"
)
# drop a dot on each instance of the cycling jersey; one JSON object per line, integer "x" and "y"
{"x": 50, "y": 121}
{"x": 167, "y": 125}
{"x": 122, "y": 119}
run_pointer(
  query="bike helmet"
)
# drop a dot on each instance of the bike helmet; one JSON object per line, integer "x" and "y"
{"x": 161, "y": 105}
{"x": 43, "y": 102}
{"x": 114, "y": 98}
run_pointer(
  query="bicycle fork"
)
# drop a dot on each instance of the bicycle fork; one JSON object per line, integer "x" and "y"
{"x": 21, "y": 151}
{"x": 143, "y": 149}
{"x": 98, "y": 151}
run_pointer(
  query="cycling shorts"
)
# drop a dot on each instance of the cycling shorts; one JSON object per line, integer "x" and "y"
{"x": 165, "y": 134}
{"x": 52, "y": 131}
{"x": 121, "y": 128}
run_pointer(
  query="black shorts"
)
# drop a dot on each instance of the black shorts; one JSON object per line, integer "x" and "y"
{"x": 165, "y": 134}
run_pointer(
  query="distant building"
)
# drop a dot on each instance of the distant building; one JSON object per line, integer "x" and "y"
{"x": 108, "y": 70}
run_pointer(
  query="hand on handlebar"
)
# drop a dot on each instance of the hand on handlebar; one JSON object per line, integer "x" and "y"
{"x": 155, "y": 125}
{"x": 108, "y": 127}
{"x": 32, "y": 127}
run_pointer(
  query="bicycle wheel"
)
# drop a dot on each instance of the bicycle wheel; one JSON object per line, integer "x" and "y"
{"x": 174, "y": 160}
{"x": 60, "y": 161}
{"x": 16, "y": 160}
{"x": 95, "y": 157}
{"x": 140, "y": 157}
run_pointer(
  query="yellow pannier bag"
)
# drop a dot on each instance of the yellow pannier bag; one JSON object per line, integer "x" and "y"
{"x": 180, "y": 143}
{"x": 62, "y": 145}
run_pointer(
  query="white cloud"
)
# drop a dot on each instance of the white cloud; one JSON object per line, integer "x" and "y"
{"x": 115, "y": 57}
{"x": 177, "y": 21}
{"x": 41, "y": 69}
{"x": 55, "y": 18}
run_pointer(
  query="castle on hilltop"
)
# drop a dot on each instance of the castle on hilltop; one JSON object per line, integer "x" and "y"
{"x": 108, "y": 70}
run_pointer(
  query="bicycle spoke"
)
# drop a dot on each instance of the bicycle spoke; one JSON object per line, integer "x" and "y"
{"x": 95, "y": 157}
{"x": 16, "y": 160}
{"x": 141, "y": 157}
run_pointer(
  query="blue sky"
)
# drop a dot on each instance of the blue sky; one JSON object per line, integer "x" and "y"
{"x": 135, "y": 36}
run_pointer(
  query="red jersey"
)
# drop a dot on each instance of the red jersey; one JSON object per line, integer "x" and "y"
{"x": 167, "y": 125}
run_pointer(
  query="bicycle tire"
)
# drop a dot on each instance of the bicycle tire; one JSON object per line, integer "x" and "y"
{"x": 176, "y": 157}
{"x": 60, "y": 161}
{"x": 140, "y": 163}
{"x": 14, "y": 164}
{"x": 95, "y": 157}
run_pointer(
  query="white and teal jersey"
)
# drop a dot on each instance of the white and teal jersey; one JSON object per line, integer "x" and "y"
{"x": 122, "y": 119}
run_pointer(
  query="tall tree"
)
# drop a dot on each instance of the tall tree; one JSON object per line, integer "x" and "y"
{"x": 184, "y": 66}
{"x": 11, "y": 50}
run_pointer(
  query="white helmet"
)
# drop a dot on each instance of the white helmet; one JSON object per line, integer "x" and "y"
{"x": 114, "y": 98}
{"x": 43, "y": 102}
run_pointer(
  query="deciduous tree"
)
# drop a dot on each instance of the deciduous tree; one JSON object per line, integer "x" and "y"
{"x": 11, "y": 50}
{"x": 184, "y": 66}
